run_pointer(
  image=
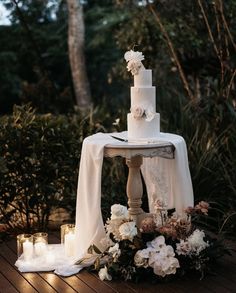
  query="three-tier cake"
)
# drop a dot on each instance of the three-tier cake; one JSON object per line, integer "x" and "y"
{"x": 142, "y": 122}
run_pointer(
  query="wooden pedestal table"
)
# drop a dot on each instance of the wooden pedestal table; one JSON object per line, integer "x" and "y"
{"x": 134, "y": 153}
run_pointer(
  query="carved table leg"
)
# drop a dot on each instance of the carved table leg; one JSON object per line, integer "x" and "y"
{"x": 134, "y": 187}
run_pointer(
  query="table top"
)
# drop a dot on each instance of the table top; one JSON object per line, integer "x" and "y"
{"x": 129, "y": 150}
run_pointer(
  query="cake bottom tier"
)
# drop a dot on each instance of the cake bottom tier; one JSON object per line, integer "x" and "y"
{"x": 141, "y": 129}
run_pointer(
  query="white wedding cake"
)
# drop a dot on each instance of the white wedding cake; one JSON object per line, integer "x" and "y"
{"x": 142, "y": 122}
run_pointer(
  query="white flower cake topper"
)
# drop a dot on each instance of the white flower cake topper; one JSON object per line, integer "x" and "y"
{"x": 133, "y": 59}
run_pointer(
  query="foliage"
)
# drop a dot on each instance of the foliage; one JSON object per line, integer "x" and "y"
{"x": 39, "y": 159}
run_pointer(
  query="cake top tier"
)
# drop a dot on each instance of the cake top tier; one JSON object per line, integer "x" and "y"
{"x": 143, "y": 78}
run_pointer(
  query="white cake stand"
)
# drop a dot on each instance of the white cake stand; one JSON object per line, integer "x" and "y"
{"x": 134, "y": 153}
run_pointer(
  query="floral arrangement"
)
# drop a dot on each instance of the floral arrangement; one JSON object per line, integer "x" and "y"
{"x": 133, "y": 59}
{"x": 164, "y": 246}
{"x": 142, "y": 113}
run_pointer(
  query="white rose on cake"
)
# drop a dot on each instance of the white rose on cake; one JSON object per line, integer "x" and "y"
{"x": 137, "y": 112}
{"x": 149, "y": 114}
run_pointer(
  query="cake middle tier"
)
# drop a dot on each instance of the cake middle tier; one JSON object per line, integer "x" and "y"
{"x": 142, "y": 129}
{"x": 144, "y": 97}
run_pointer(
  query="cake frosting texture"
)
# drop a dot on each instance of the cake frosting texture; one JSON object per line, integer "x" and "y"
{"x": 143, "y": 122}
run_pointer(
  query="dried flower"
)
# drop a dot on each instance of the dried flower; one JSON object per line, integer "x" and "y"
{"x": 203, "y": 207}
{"x": 147, "y": 225}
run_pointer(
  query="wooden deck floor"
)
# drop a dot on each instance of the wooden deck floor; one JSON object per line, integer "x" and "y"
{"x": 13, "y": 281}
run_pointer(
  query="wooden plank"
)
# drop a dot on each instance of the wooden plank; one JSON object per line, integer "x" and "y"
{"x": 17, "y": 280}
{"x": 57, "y": 283}
{"x": 78, "y": 284}
{"x": 94, "y": 283}
{"x": 6, "y": 286}
{"x": 118, "y": 286}
{"x": 84, "y": 282}
{"x": 33, "y": 278}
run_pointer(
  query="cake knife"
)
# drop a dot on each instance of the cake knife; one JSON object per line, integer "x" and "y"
{"x": 119, "y": 138}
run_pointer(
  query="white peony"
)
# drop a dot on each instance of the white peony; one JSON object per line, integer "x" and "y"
{"x": 196, "y": 242}
{"x": 165, "y": 266}
{"x": 157, "y": 243}
{"x": 139, "y": 260}
{"x": 115, "y": 251}
{"x": 103, "y": 274}
{"x": 128, "y": 230}
{"x": 133, "y": 56}
{"x": 119, "y": 212}
{"x": 167, "y": 251}
{"x": 133, "y": 60}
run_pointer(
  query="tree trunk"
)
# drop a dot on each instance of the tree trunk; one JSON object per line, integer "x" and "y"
{"x": 76, "y": 53}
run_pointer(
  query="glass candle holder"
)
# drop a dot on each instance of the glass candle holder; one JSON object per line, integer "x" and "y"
{"x": 25, "y": 246}
{"x": 68, "y": 239}
{"x": 40, "y": 243}
{"x": 65, "y": 229}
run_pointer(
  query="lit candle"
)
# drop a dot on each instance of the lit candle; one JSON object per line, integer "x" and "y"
{"x": 28, "y": 250}
{"x": 69, "y": 244}
{"x": 40, "y": 248}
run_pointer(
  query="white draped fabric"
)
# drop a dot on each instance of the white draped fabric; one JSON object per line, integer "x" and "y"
{"x": 165, "y": 179}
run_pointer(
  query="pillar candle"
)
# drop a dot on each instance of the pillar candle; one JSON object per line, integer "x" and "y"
{"x": 70, "y": 244}
{"x": 40, "y": 248}
{"x": 28, "y": 250}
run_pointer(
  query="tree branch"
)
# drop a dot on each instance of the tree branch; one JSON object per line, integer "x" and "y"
{"x": 172, "y": 50}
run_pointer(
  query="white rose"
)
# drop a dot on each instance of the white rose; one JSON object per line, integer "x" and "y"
{"x": 119, "y": 212}
{"x": 103, "y": 274}
{"x": 137, "y": 112}
{"x": 134, "y": 67}
{"x": 128, "y": 230}
{"x": 139, "y": 260}
{"x": 115, "y": 251}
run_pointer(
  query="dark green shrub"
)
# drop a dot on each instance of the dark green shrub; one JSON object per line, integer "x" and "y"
{"x": 39, "y": 159}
